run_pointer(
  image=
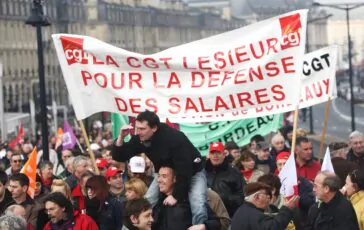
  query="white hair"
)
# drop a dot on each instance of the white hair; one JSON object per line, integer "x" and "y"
{"x": 69, "y": 161}
{"x": 356, "y": 134}
{"x": 12, "y": 222}
{"x": 277, "y": 137}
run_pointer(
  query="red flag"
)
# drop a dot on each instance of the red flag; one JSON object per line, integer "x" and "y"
{"x": 18, "y": 139}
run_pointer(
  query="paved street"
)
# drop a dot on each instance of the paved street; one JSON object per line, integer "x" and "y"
{"x": 339, "y": 125}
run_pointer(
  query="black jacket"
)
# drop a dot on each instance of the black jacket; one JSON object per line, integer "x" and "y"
{"x": 249, "y": 217}
{"x": 179, "y": 217}
{"x": 6, "y": 202}
{"x": 353, "y": 158}
{"x": 169, "y": 146}
{"x": 227, "y": 182}
{"x": 109, "y": 216}
{"x": 72, "y": 181}
{"x": 338, "y": 214}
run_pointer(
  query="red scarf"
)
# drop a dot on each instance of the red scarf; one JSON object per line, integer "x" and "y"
{"x": 247, "y": 173}
{"x": 46, "y": 182}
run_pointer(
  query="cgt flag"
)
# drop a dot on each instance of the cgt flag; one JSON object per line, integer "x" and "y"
{"x": 30, "y": 169}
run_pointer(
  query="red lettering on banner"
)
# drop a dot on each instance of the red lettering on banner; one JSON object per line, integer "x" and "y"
{"x": 260, "y": 94}
{"x": 272, "y": 66}
{"x": 150, "y": 63}
{"x": 101, "y": 80}
{"x": 173, "y": 80}
{"x": 286, "y": 62}
{"x": 86, "y": 76}
{"x": 111, "y": 61}
{"x": 203, "y": 60}
{"x": 195, "y": 76}
{"x": 152, "y": 104}
{"x": 165, "y": 61}
{"x": 135, "y": 78}
{"x": 131, "y": 62}
{"x": 213, "y": 81}
{"x": 185, "y": 64}
{"x": 175, "y": 106}
{"x": 121, "y": 104}
{"x": 219, "y": 57}
{"x": 134, "y": 105}
{"x": 279, "y": 93}
{"x": 97, "y": 62}
{"x": 241, "y": 54}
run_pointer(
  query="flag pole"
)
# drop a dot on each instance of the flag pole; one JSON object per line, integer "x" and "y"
{"x": 324, "y": 128}
{"x": 92, "y": 155}
{"x": 294, "y": 137}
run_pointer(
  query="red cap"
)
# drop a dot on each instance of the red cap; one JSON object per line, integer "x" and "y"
{"x": 283, "y": 156}
{"x": 216, "y": 147}
{"x": 101, "y": 163}
{"x": 112, "y": 171}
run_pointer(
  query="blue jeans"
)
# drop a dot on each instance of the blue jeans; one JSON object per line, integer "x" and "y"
{"x": 197, "y": 196}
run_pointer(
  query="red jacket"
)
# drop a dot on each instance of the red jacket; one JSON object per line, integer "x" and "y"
{"x": 80, "y": 222}
{"x": 308, "y": 170}
{"x": 78, "y": 199}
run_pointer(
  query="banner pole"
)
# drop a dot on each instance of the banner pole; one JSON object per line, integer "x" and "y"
{"x": 294, "y": 137}
{"x": 92, "y": 155}
{"x": 324, "y": 128}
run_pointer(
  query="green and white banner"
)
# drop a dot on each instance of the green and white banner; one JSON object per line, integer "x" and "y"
{"x": 201, "y": 135}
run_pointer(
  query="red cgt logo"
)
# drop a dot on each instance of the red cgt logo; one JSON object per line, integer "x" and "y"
{"x": 73, "y": 50}
{"x": 291, "y": 26}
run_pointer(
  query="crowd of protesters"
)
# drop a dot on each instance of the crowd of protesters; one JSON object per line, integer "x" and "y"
{"x": 158, "y": 180}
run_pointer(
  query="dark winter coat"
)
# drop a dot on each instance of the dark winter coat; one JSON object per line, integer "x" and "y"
{"x": 338, "y": 214}
{"x": 169, "y": 146}
{"x": 227, "y": 182}
{"x": 6, "y": 202}
{"x": 249, "y": 217}
{"x": 109, "y": 216}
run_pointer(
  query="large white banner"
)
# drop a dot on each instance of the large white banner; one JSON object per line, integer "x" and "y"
{"x": 318, "y": 85}
{"x": 258, "y": 65}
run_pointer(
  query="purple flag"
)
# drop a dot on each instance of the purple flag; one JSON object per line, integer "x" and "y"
{"x": 69, "y": 139}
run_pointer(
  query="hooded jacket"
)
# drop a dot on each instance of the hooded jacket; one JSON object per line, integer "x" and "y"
{"x": 167, "y": 146}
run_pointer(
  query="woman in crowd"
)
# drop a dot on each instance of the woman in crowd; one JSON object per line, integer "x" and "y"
{"x": 354, "y": 189}
{"x": 246, "y": 165}
{"x": 59, "y": 185}
{"x": 105, "y": 210}
{"x": 135, "y": 189}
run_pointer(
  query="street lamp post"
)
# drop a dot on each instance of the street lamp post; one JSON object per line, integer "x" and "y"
{"x": 307, "y": 51}
{"x": 347, "y": 8}
{"x": 38, "y": 20}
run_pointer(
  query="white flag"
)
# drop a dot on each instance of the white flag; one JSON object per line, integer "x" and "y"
{"x": 288, "y": 176}
{"x": 327, "y": 164}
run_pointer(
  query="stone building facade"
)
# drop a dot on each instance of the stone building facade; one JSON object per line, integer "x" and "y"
{"x": 144, "y": 26}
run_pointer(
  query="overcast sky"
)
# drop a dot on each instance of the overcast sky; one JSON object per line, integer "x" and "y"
{"x": 340, "y": 14}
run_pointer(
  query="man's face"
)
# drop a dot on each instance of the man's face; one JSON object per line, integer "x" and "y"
{"x": 47, "y": 172}
{"x": 166, "y": 180}
{"x": 107, "y": 156}
{"x": 55, "y": 212}
{"x": 263, "y": 154}
{"x": 144, "y": 220}
{"x": 280, "y": 164}
{"x": 278, "y": 144}
{"x": 116, "y": 181}
{"x": 262, "y": 200}
{"x": 304, "y": 151}
{"x": 235, "y": 153}
{"x": 19, "y": 211}
{"x": 16, "y": 163}
{"x": 216, "y": 157}
{"x": 357, "y": 144}
{"x": 16, "y": 189}
{"x": 144, "y": 131}
{"x": 81, "y": 168}
{"x": 66, "y": 154}
{"x": 318, "y": 187}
